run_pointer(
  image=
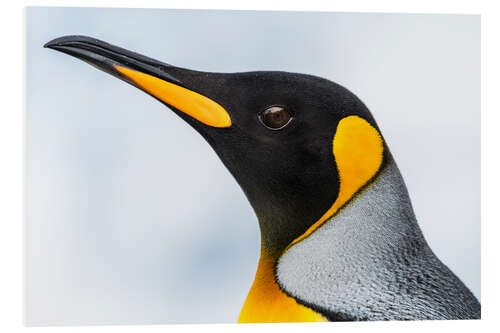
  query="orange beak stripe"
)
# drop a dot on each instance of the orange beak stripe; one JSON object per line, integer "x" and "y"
{"x": 191, "y": 103}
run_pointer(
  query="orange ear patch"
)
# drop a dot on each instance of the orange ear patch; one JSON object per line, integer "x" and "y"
{"x": 357, "y": 149}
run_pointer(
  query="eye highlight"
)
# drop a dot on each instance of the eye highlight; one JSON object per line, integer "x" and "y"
{"x": 275, "y": 117}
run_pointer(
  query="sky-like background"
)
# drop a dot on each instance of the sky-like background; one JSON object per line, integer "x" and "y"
{"x": 132, "y": 218}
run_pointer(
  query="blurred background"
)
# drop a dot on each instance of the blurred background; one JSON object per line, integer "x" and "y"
{"x": 131, "y": 217}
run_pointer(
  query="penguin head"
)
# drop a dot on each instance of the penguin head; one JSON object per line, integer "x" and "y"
{"x": 299, "y": 146}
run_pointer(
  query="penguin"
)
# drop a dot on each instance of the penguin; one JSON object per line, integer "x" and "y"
{"x": 339, "y": 237}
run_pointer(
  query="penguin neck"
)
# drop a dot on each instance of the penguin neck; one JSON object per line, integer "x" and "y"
{"x": 376, "y": 228}
{"x": 266, "y": 301}
{"x": 279, "y": 226}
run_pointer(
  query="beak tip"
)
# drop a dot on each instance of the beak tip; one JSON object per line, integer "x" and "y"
{"x": 51, "y": 44}
{"x": 67, "y": 40}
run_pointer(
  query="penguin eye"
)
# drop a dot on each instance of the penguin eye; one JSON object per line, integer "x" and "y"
{"x": 275, "y": 117}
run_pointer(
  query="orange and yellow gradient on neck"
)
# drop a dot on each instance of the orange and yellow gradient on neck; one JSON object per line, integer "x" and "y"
{"x": 267, "y": 303}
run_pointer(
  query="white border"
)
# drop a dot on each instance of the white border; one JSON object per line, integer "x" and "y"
{"x": 12, "y": 132}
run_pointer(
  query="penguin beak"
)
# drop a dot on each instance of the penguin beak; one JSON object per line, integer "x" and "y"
{"x": 151, "y": 76}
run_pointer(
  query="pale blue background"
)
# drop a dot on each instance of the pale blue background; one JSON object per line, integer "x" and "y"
{"x": 131, "y": 217}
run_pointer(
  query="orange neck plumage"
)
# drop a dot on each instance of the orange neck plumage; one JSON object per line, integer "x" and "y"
{"x": 267, "y": 303}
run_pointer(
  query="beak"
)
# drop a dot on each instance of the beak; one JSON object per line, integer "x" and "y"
{"x": 146, "y": 74}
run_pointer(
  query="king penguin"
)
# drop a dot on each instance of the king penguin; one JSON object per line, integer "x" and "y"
{"x": 339, "y": 238}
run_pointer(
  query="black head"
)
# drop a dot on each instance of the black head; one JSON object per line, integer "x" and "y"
{"x": 299, "y": 146}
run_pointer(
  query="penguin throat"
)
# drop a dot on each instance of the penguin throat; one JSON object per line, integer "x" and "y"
{"x": 267, "y": 303}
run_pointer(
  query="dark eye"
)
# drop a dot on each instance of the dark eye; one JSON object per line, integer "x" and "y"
{"x": 275, "y": 117}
